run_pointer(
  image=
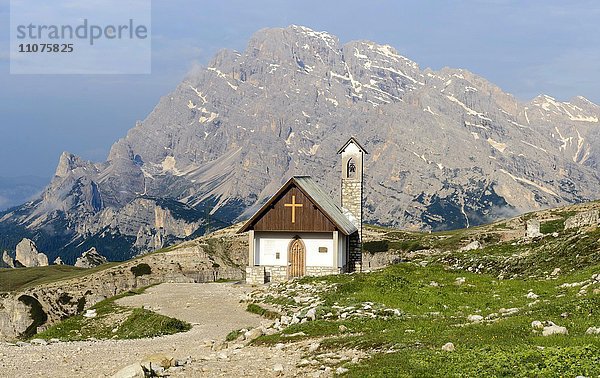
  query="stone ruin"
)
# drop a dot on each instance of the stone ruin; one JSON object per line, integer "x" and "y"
{"x": 532, "y": 229}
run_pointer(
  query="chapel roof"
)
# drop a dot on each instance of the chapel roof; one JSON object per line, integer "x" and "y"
{"x": 316, "y": 194}
{"x": 352, "y": 140}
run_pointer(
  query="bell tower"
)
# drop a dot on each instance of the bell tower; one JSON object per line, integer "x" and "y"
{"x": 352, "y": 196}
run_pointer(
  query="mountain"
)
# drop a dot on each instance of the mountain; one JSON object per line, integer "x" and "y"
{"x": 448, "y": 149}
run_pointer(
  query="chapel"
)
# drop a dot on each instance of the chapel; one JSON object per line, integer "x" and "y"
{"x": 302, "y": 231}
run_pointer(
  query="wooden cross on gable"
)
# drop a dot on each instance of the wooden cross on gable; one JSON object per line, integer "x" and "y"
{"x": 293, "y": 205}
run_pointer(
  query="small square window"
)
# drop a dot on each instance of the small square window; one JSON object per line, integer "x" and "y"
{"x": 277, "y": 255}
{"x": 322, "y": 249}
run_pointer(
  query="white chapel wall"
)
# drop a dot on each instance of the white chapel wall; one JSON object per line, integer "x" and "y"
{"x": 268, "y": 244}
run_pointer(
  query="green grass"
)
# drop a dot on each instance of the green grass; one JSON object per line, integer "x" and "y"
{"x": 549, "y": 227}
{"x": 115, "y": 322}
{"x": 233, "y": 335}
{"x": 23, "y": 278}
{"x": 410, "y": 346}
{"x": 258, "y": 310}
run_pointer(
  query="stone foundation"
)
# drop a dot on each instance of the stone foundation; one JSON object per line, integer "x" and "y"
{"x": 322, "y": 270}
{"x": 255, "y": 275}
{"x": 276, "y": 273}
{"x": 259, "y": 275}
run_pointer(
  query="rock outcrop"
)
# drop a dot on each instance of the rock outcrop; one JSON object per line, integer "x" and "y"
{"x": 90, "y": 259}
{"x": 58, "y": 261}
{"x": 6, "y": 261}
{"x": 28, "y": 255}
{"x": 586, "y": 219}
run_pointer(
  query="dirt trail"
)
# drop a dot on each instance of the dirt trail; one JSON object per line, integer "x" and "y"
{"x": 214, "y": 310}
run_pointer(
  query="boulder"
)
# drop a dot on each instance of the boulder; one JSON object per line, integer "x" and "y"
{"x": 131, "y": 371}
{"x": 448, "y": 347}
{"x": 536, "y": 324}
{"x": 553, "y": 329}
{"x": 341, "y": 370}
{"x": 90, "y": 313}
{"x": 475, "y": 318}
{"x": 253, "y": 334}
{"x": 28, "y": 255}
{"x": 90, "y": 259}
{"x": 157, "y": 363}
{"x": 313, "y": 347}
{"x": 7, "y": 261}
{"x": 593, "y": 331}
{"x": 471, "y": 246}
{"x": 58, "y": 261}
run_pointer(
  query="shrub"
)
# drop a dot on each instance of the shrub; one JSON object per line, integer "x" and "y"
{"x": 80, "y": 304}
{"x": 141, "y": 269}
{"x": 376, "y": 246}
{"x": 408, "y": 245}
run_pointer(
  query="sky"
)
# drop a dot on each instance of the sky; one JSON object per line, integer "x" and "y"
{"x": 525, "y": 47}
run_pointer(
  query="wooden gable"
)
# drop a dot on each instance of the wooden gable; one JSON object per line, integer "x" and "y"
{"x": 277, "y": 216}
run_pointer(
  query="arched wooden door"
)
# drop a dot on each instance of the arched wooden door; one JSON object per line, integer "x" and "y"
{"x": 296, "y": 259}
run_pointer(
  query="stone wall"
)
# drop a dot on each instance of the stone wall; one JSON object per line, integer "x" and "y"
{"x": 276, "y": 273}
{"x": 352, "y": 200}
{"x": 321, "y": 270}
{"x": 355, "y": 253}
{"x": 379, "y": 260}
{"x": 255, "y": 275}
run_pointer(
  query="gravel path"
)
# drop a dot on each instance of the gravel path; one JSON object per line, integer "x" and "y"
{"x": 213, "y": 309}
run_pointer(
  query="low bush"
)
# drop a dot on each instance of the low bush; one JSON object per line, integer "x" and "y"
{"x": 141, "y": 270}
{"x": 376, "y": 246}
